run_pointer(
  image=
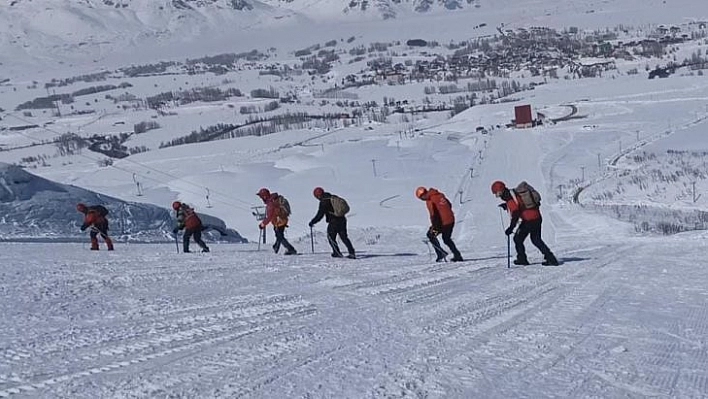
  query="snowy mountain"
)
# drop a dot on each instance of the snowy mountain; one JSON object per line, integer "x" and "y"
{"x": 84, "y": 26}
{"x": 36, "y": 208}
{"x": 88, "y": 34}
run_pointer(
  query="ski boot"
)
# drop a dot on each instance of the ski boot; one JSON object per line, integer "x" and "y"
{"x": 550, "y": 260}
{"x": 521, "y": 261}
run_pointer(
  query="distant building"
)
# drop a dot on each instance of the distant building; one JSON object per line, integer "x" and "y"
{"x": 523, "y": 117}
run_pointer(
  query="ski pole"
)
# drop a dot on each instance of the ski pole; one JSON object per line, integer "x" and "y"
{"x": 259, "y": 239}
{"x": 442, "y": 251}
{"x": 427, "y": 245}
{"x": 438, "y": 249}
{"x": 508, "y": 252}
{"x": 176, "y": 243}
{"x": 312, "y": 240}
{"x": 508, "y": 240}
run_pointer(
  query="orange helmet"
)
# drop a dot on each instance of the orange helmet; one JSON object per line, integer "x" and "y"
{"x": 176, "y": 205}
{"x": 420, "y": 192}
{"x": 498, "y": 187}
{"x": 81, "y": 207}
{"x": 263, "y": 193}
{"x": 318, "y": 192}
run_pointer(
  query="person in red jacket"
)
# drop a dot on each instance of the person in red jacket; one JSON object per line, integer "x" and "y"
{"x": 442, "y": 221}
{"x": 188, "y": 220}
{"x": 94, "y": 218}
{"x": 278, "y": 216}
{"x": 530, "y": 225}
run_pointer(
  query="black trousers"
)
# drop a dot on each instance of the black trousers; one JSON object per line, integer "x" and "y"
{"x": 533, "y": 229}
{"x": 99, "y": 228}
{"x": 197, "y": 234}
{"x": 281, "y": 240}
{"x": 338, "y": 227}
{"x": 446, "y": 232}
{"x": 102, "y": 230}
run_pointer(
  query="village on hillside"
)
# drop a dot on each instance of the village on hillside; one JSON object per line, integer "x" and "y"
{"x": 322, "y": 85}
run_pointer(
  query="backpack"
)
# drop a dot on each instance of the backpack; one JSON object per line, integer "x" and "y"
{"x": 283, "y": 205}
{"x": 530, "y": 198}
{"x": 340, "y": 207}
{"x": 100, "y": 209}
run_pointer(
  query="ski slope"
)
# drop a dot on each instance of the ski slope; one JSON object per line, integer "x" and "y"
{"x": 617, "y": 319}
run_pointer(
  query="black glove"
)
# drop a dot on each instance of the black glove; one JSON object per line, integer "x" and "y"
{"x": 175, "y": 230}
{"x": 83, "y": 228}
{"x": 503, "y": 206}
{"x": 509, "y": 231}
{"x": 310, "y": 224}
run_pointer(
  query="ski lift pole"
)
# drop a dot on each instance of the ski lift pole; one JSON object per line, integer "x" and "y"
{"x": 259, "y": 213}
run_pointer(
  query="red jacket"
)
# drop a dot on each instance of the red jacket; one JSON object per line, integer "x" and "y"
{"x": 273, "y": 213}
{"x": 439, "y": 208}
{"x": 515, "y": 206}
{"x": 187, "y": 219}
{"x": 93, "y": 218}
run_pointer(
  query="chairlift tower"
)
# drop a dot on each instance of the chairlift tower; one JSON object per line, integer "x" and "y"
{"x": 137, "y": 183}
{"x": 259, "y": 212}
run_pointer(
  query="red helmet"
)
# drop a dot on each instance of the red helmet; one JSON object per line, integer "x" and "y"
{"x": 263, "y": 193}
{"x": 318, "y": 192}
{"x": 176, "y": 205}
{"x": 81, "y": 207}
{"x": 420, "y": 192}
{"x": 498, "y": 187}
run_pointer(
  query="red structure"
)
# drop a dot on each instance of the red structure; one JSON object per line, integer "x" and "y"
{"x": 523, "y": 116}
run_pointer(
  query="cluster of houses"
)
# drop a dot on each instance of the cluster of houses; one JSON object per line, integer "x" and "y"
{"x": 540, "y": 50}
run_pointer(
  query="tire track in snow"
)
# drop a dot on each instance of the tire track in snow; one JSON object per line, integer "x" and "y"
{"x": 161, "y": 321}
{"x": 414, "y": 285}
{"x": 169, "y": 338}
{"x": 483, "y": 320}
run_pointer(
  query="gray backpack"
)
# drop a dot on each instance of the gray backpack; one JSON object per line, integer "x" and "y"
{"x": 530, "y": 198}
{"x": 283, "y": 206}
{"x": 339, "y": 206}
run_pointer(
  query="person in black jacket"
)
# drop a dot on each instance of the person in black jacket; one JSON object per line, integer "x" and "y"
{"x": 336, "y": 225}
